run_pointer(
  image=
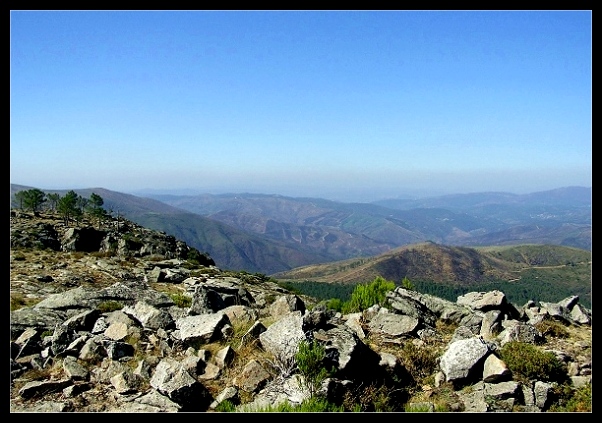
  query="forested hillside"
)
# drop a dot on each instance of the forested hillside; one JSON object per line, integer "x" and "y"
{"x": 523, "y": 272}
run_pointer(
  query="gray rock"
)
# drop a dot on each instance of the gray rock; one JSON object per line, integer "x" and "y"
{"x": 462, "y": 356}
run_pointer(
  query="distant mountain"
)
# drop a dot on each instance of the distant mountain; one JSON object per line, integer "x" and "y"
{"x": 345, "y": 230}
{"x": 562, "y": 205}
{"x": 231, "y": 248}
{"x": 273, "y": 233}
{"x": 566, "y": 196}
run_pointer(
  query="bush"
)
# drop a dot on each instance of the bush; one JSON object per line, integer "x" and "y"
{"x": 310, "y": 359}
{"x": 552, "y": 328}
{"x": 335, "y": 304}
{"x": 407, "y": 284}
{"x": 528, "y": 361}
{"x": 572, "y": 400}
{"x": 108, "y": 306}
{"x": 181, "y": 300}
{"x": 367, "y": 295}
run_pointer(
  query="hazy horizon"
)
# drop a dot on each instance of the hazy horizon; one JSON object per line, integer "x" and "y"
{"x": 339, "y": 197}
{"x": 343, "y": 105}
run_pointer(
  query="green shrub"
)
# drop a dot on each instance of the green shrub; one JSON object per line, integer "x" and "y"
{"x": 309, "y": 360}
{"x": 407, "y": 284}
{"x": 108, "y": 306}
{"x": 552, "y": 328}
{"x": 572, "y": 400}
{"x": 226, "y": 406}
{"x": 181, "y": 300}
{"x": 528, "y": 361}
{"x": 335, "y": 304}
{"x": 367, "y": 295}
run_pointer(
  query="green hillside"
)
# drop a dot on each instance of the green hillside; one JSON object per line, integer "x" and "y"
{"x": 523, "y": 272}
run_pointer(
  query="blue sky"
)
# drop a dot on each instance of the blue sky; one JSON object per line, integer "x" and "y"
{"x": 346, "y": 105}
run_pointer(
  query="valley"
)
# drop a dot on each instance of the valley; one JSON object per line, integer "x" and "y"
{"x": 449, "y": 243}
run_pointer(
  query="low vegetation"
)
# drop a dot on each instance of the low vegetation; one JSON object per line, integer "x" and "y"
{"x": 18, "y": 301}
{"x": 367, "y": 295}
{"x": 110, "y": 305}
{"x": 310, "y": 362}
{"x": 311, "y": 405}
{"x": 529, "y": 362}
{"x": 181, "y": 300}
{"x": 570, "y": 400}
{"x": 523, "y": 272}
{"x": 552, "y": 328}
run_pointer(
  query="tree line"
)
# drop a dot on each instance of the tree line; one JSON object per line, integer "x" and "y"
{"x": 529, "y": 288}
{"x": 71, "y": 206}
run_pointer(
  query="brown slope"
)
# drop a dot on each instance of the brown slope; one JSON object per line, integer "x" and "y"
{"x": 424, "y": 261}
{"x": 441, "y": 264}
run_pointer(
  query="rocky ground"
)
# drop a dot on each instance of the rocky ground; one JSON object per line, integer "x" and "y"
{"x": 231, "y": 339}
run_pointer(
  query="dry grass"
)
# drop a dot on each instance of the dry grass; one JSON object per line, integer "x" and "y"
{"x": 18, "y": 300}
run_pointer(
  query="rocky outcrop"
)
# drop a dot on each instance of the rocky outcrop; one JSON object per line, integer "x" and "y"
{"x": 237, "y": 337}
{"x": 151, "y": 348}
{"x": 111, "y": 236}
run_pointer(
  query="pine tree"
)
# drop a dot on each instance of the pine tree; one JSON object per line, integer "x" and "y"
{"x": 33, "y": 199}
{"x": 68, "y": 206}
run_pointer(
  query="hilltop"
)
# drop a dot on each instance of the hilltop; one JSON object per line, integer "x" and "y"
{"x": 115, "y": 317}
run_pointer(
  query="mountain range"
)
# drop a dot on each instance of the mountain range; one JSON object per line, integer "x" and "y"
{"x": 273, "y": 233}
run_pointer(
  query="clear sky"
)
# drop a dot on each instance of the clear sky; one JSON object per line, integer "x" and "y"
{"x": 346, "y": 105}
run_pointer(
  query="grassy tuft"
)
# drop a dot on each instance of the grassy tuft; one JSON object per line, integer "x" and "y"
{"x": 108, "y": 306}
{"x": 528, "y": 361}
